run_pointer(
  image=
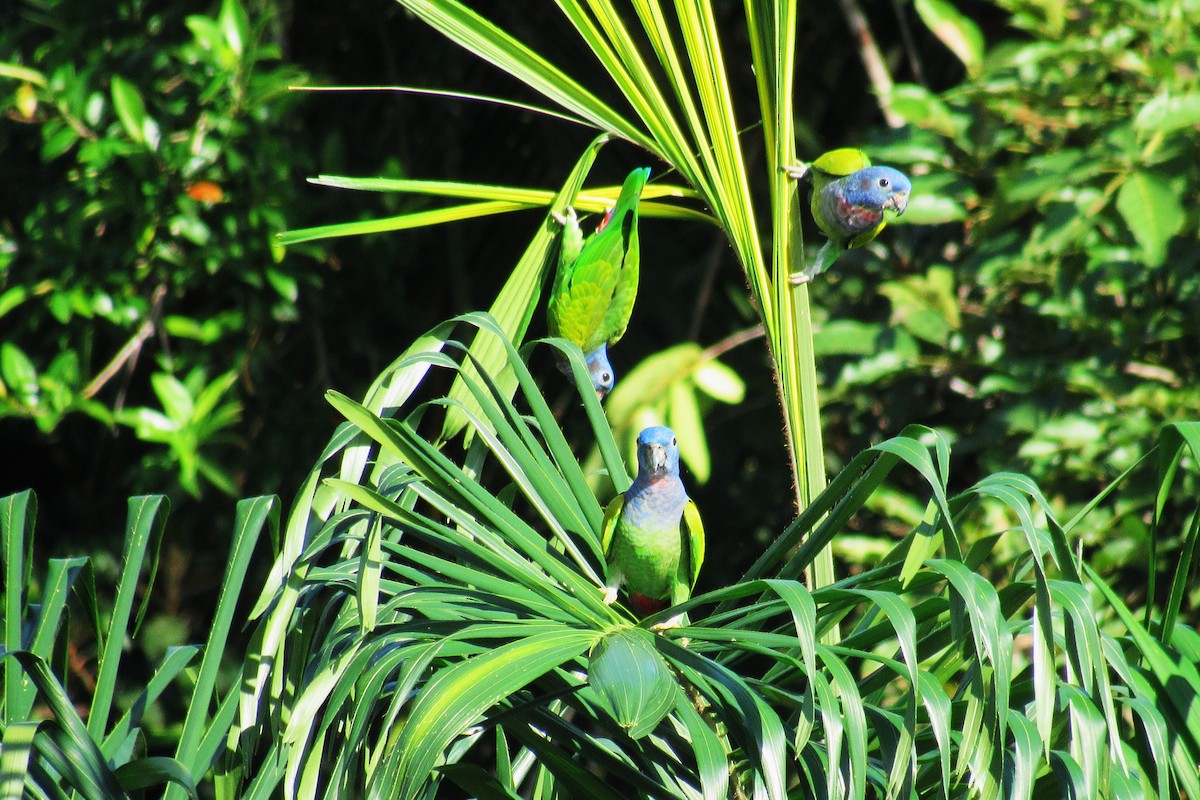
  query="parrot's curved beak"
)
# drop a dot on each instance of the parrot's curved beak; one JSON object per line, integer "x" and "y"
{"x": 656, "y": 457}
{"x": 897, "y": 202}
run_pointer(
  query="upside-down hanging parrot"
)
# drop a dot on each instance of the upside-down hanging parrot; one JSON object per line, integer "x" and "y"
{"x": 849, "y": 201}
{"x": 652, "y": 536}
{"x": 597, "y": 280}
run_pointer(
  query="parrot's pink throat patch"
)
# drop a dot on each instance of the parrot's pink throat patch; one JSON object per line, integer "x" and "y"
{"x": 858, "y": 217}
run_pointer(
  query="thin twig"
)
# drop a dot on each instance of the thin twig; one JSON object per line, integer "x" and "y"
{"x": 872, "y": 59}
{"x": 731, "y": 341}
{"x": 712, "y": 263}
{"x": 910, "y": 48}
{"x": 131, "y": 349}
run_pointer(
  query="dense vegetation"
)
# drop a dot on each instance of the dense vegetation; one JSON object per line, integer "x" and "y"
{"x": 993, "y": 595}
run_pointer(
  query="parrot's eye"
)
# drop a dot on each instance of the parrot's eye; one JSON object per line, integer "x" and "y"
{"x": 672, "y": 441}
{"x": 883, "y": 183}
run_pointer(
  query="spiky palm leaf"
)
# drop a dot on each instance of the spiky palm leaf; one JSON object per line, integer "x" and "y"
{"x": 445, "y": 622}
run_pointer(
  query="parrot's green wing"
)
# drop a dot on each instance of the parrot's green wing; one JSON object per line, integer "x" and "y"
{"x": 612, "y": 513}
{"x": 593, "y": 297}
{"x": 694, "y": 528}
{"x": 843, "y": 161}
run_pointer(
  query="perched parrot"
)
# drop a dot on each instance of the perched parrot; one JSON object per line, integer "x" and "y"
{"x": 593, "y": 293}
{"x": 849, "y": 199}
{"x": 652, "y": 536}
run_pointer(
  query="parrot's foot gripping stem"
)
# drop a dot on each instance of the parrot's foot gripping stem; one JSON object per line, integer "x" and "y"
{"x": 666, "y": 625}
{"x": 797, "y": 171}
{"x": 565, "y": 219}
{"x": 610, "y": 595}
{"x": 828, "y": 253}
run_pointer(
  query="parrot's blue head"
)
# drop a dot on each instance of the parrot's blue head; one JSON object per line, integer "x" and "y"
{"x": 658, "y": 454}
{"x": 600, "y": 371}
{"x": 879, "y": 188}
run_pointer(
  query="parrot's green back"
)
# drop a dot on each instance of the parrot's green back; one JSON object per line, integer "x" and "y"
{"x": 841, "y": 162}
{"x": 593, "y": 295}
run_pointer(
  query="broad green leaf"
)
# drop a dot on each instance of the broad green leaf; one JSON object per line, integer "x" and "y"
{"x": 932, "y": 209}
{"x": 1169, "y": 112}
{"x": 21, "y": 73}
{"x": 16, "y": 747}
{"x": 131, "y": 111}
{"x": 925, "y": 304}
{"x": 154, "y": 771}
{"x": 18, "y": 513}
{"x": 235, "y": 25}
{"x": 11, "y": 298}
{"x": 843, "y": 337}
{"x": 924, "y": 109}
{"x": 662, "y": 390}
{"x": 957, "y": 32}
{"x": 1027, "y": 746}
{"x": 175, "y": 398}
{"x": 458, "y": 695}
{"x": 720, "y": 382}
{"x": 19, "y": 373}
{"x": 683, "y": 416}
{"x": 630, "y": 674}
{"x": 143, "y": 535}
{"x": 1088, "y": 737}
{"x": 1153, "y": 210}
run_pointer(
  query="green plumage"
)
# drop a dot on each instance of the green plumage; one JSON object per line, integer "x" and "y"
{"x": 596, "y": 283}
{"x": 652, "y": 536}
{"x": 657, "y": 564}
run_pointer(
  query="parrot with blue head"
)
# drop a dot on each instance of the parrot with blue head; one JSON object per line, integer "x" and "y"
{"x": 851, "y": 202}
{"x": 652, "y": 535}
{"x": 596, "y": 283}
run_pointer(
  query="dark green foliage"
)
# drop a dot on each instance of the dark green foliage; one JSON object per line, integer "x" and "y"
{"x": 1047, "y": 322}
{"x": 153, "y": 177}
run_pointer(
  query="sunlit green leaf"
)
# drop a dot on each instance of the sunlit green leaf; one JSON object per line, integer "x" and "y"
{"x": 1169, "y": 112}
{"x": 957, "y": 32}
{"x": 923, "y": 108}
{"x": 1153, "y": 210}
{"x": 630, "y": 674}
